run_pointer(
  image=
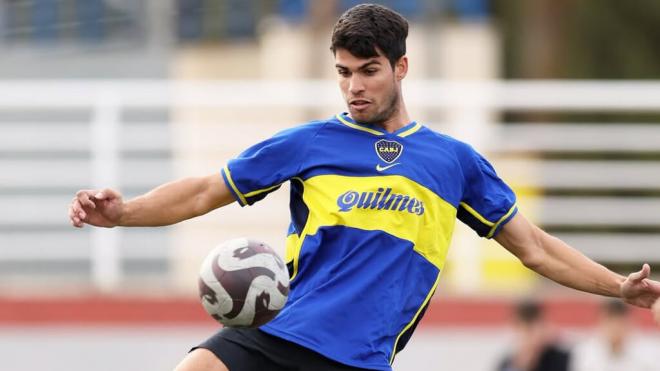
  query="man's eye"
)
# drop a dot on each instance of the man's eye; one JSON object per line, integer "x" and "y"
{"x": 371, "y": 71}
{"x": 343, "y": 72}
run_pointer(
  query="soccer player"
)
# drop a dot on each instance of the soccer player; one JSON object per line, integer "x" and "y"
{"x": 374, "y": 199}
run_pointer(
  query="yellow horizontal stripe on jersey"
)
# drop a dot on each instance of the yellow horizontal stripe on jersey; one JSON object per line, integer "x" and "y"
{"x": 430, "y": 232}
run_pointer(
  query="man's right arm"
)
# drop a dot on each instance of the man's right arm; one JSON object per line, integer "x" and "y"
{"x": 167, "y": 204}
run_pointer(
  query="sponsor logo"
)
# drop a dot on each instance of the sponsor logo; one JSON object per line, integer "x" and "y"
{"x": 382, "y": 199}
{"x": 388, "y": 150}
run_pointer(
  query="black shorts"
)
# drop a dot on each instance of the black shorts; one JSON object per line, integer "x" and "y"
{"x": 255, "y": 350}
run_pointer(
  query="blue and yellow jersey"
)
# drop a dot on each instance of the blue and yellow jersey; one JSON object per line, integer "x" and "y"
{"x": 372, "y": 215}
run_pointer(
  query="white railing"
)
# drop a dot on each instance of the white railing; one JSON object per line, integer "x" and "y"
{"x": 541, "y": 95}
{"x": 467, "y": 104}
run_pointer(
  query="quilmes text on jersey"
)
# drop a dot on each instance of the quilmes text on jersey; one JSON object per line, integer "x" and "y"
{"x": 382, "y": 199}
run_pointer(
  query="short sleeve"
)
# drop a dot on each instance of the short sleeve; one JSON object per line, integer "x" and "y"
{"x": 488, "y": 203}
{"x": 263, "y": 168}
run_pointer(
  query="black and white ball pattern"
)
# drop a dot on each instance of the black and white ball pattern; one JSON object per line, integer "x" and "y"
{"x": 243, "y": 283}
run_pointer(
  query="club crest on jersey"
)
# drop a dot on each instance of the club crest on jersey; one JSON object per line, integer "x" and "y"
{"x": 388, "y": 150}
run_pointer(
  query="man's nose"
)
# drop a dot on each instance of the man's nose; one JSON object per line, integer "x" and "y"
{"x": 356, "y": 85}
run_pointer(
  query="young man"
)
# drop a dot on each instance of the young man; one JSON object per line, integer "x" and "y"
{"x": 374, "y": 198}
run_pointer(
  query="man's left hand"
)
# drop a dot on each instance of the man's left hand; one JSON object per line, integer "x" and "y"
{"x": 639, "y": 290}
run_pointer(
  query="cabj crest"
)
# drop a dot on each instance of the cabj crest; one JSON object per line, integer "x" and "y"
{"x": 388, "y": 150}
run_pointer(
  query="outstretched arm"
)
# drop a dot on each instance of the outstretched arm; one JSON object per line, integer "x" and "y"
{"x": 556, "y": 260}
{"x": 167, "y": 204}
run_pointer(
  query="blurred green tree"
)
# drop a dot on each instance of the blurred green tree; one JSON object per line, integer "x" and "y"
{"x": 588, "y": 39}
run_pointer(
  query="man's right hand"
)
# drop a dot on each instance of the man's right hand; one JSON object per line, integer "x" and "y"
{"x": 101, "y": 208}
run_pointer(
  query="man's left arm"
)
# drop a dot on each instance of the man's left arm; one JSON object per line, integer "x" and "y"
{"x": 556, "y": 260}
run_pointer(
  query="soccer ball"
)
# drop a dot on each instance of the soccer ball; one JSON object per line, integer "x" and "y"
{"x": 243, "y": 283}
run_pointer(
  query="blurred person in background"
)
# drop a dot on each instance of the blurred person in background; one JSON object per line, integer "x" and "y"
{"x": 614, "y": 346}
{"x": 537, "y": 344}
{"x": 365, "y": 256}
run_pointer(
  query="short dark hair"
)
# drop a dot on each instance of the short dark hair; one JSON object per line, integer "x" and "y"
{"x": 366, "y": 28}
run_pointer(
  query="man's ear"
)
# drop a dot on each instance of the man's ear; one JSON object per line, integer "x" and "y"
{"x": 401, "y": 68}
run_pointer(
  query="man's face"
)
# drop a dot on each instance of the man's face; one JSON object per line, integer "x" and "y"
{"x": 370, "y": 85}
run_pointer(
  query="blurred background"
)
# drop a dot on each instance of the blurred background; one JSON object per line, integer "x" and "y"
{"x": 561, "y": 95}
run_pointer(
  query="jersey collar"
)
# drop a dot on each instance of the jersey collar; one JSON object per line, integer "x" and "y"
{"x": 375, "y": 129}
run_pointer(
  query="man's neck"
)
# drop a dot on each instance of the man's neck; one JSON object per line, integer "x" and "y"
{"x": 398, "y": 120}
